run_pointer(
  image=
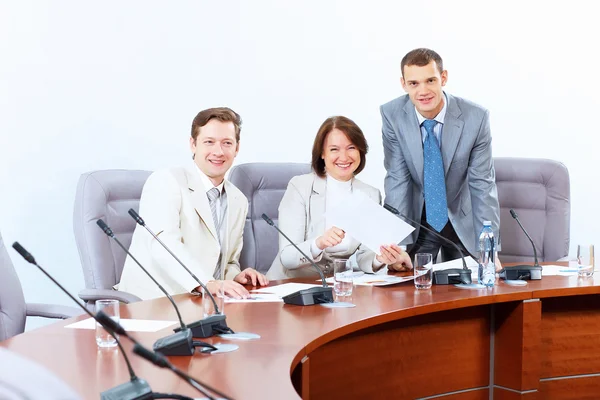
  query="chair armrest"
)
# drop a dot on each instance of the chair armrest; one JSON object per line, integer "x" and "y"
{"x": 52, "y": 311}
{"x": 92, "y": 295}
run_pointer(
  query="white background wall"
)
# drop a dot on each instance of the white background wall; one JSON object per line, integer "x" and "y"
{"x": 115, "y": 84}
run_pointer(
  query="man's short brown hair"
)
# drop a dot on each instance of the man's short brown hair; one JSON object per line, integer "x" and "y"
{"x": 421, "y": 57}
{"x": 223, "y": 114}
{"x": 352, "y": 132}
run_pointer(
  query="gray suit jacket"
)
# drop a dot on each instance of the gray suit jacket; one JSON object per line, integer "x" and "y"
{"x": 302, "y": 218}
{"x": 468, "y": 166}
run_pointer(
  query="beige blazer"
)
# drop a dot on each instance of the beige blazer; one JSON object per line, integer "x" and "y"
{"x": 302, "y": 218}
{"x": 175, "y": 206}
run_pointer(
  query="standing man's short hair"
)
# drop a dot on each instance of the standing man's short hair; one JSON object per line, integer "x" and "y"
{"x": 421, "y": 57}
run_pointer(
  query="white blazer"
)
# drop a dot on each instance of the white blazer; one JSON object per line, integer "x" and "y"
{"x": 175, "y": 206}
{"x": 302, "y": 218}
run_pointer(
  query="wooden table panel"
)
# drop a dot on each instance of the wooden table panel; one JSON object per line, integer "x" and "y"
{"x": 586, "y": 388}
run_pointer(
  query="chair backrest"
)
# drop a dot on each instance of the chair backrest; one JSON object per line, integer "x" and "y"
{"x": 264, "y": 185}
{"x": 106, "y": 195}
{"x": 12, "y": 302}
{"x": 539, "y": 191}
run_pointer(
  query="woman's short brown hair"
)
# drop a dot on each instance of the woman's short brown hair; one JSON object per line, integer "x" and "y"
{"x": 352, "y": 132}
{"x": 223, "y": 114}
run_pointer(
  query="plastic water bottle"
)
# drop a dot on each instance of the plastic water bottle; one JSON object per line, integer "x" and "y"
{"x": 487, "y": 248}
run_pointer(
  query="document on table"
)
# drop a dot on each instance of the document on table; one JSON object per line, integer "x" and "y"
{"x": 257, "y": 298}
{"x": 283, "y": 290}
{"x": 366, "y": 221}
{"x": 131, "y": 325}
{"x": 549, "y": 270}
{"x": 381, "y": 278}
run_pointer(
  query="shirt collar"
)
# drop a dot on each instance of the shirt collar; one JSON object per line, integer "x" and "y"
{"x": 438, "y": 118}
{"x": 208, "y": 185}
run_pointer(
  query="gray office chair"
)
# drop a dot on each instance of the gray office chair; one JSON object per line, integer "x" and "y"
{"x": 106, "y": 195}
{"x": 538, "y": 190}
{"x": 264, "y": 185}
{"x": 13, "y": 309}
{"x": 23, "y": 379}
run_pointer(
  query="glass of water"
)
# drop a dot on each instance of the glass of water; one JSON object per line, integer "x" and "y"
{"x": 111, "y": 309}
{"x": 342, "y": 277}
{"x": 585, "y": 260}
{"x": 423, "y": 269}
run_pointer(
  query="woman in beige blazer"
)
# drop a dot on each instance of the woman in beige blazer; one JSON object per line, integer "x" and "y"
{"x": 338, "y": 155}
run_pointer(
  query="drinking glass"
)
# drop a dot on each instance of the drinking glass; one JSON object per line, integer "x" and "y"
{"x": 342, "y": 277}
{"x": 111, "y": 309}
{"x": 423, "y": 270}
{"x": 585, "y": 260}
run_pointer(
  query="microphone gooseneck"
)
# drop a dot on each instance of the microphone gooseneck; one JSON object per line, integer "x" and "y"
{"x": 270, "y": 222}
{"x": 396, "y": 212}
{"x": 141, "y": 222}
{"x": 110, "y": 234}
{"x": 516, "y": 217}
{"x": 29, "y": 258}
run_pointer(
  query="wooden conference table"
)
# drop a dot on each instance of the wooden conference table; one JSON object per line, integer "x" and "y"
{"x": 540, "y": 341}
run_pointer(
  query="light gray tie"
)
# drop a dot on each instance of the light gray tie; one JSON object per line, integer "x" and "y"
{"x": 213, "y": 197}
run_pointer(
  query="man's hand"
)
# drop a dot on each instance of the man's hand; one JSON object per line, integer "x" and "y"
{"x": 498, "y": 263}
{"x": 395, "y": 257}
{"x": 250, "y": 276}
{"x": 330, "y": 238}
{"x": 230, "y": 288}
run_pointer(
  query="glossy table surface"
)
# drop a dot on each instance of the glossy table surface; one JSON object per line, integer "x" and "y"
{"x": 260, "y": 368}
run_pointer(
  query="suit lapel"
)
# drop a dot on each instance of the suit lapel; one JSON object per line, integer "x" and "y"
{"x": 452, "y": 130}
{"x": 200, "y": 201}
{"x": 413, "y": 138}
{"x": 317, "y": 205}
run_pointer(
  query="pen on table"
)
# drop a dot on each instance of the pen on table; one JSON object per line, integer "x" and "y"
{"x": 567, "y": 270}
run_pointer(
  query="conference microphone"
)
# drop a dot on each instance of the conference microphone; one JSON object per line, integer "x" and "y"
{"x": 156, "y": 358}
{"x": 449, "y": 276}
{"x": 533, "y": 272}
{"x": 136, "y": 388}
{"x": 177, "y": 344}
{"x": 205, "y": 327}
{"x": 305, "y": 297}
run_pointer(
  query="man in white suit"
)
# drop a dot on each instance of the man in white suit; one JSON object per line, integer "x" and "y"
{"x": 438, "y": 157}
{"x": 198, "y": 214}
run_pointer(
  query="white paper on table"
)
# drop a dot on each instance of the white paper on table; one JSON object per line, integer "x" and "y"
{"x": 472, "y": 264}
{"x": 367, "y": 222}
{"x": 378, "y": 279}
{"x": 257, "y": 298}
{"x": 560, "y": 270}
{"x": 131, "y": 325}
{"x": 284, "y": 289}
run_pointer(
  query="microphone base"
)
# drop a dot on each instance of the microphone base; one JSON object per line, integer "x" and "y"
{"x": 309, "y": 297}
{"x": 452, "y": 276}
{"x": 206, "y": 327}
{"x": 137, "y": 389}
{"x": 523, "y": 272}
{"x": 177, "y": 344}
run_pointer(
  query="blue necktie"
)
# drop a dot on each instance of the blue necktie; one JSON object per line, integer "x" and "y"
{"x": 436, "y": 205}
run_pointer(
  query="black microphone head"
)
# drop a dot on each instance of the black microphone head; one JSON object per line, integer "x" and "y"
{"x": 24, "y": 253}
{"x": 110, "y": 323}
{"x": 269, "y": 220}
{"x": 155, "y": 358}
{"x": 136, "y": 217}
{"x": 513, "y": 214}
{"x": 105, "y": 228}
{"x": 390, "y": 209}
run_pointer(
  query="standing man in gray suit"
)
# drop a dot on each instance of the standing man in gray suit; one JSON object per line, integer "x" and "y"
{"x": 438, "y": 158}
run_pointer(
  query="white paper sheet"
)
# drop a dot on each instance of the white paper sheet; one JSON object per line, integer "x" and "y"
{"x": 472, "y": 264}
{"x": 257, "y": 298}
{"x": 367, "y": 222}
{"x": 131, "y": 325}
{"x": 561, "y": 270}
{"x": 284, "y": 289}
{"x": 380, "y": 279}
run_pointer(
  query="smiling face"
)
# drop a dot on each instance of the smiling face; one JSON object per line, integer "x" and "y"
{"x": 340, "y": 155}
{"x": 424, "y": 87}
{"x": 214, "y": 149}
